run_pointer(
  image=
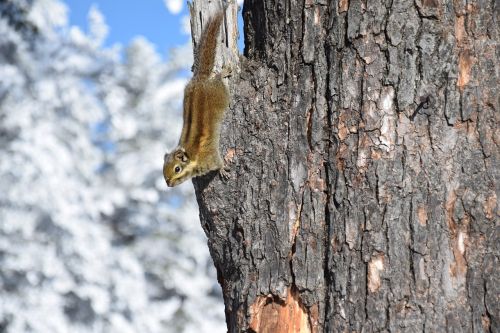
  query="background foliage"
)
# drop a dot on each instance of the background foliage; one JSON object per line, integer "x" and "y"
{"x": 90, "y": 239}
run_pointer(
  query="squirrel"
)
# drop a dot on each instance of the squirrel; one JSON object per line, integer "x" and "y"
{"x": 205, "y": 100}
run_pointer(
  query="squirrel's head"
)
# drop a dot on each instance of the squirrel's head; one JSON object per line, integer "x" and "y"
{"x": 175, "y": 167}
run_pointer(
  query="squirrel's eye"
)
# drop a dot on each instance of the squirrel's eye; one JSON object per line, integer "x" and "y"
{"x": 177, "y": 169}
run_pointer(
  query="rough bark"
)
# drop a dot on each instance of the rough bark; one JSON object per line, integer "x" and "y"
{"x": 363, "y": 193}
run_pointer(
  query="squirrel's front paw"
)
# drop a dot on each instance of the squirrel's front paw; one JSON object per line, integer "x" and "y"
{"x": 225, "y": 173}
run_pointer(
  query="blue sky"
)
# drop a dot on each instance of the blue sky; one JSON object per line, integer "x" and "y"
{"x": 130, "y": 18}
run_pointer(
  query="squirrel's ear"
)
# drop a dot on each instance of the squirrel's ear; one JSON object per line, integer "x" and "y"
{"x": 181, "y": 155}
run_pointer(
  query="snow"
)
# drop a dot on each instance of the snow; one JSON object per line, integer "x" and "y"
{"x": 98, "y": 28}
{"x": 91, "y": 240}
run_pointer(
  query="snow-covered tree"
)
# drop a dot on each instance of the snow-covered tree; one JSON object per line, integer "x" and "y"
{"x": 90, "y": 239}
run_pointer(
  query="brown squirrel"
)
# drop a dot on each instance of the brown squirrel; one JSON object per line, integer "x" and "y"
{"x": 205, "y": 100}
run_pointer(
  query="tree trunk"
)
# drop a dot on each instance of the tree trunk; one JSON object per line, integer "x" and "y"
{"x": 363, "y": 193}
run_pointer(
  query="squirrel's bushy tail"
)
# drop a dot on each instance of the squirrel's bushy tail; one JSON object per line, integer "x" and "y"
{"x": 205, "y": 55}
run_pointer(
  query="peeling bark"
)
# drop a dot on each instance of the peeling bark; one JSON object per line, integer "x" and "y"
{"x": 268, "y": 314}
{"x": 363, "y": 193}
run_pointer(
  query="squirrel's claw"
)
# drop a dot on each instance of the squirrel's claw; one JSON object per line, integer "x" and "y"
{"x": 225, "y": 172}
